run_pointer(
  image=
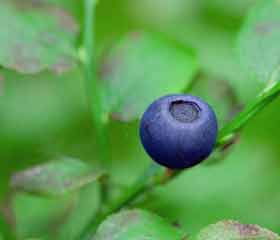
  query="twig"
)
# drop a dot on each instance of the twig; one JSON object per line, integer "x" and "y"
{"x": 152, "y": 177}
{"x": 227, "y": 133}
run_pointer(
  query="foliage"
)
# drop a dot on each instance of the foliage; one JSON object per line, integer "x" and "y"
{"x": 235, "y": 230}
{"x": 30, "y": 45}
{"x": 55, "y": 178}
{"x": 166, "y": 68}
{"x": 76, "y": 77}
{"x": 137, "y": 224}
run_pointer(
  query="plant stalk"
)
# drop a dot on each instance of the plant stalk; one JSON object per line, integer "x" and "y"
{"x": 94, "y": 90}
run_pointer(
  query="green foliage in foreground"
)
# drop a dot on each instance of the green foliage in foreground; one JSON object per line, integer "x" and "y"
{"x": 75, "y": 78}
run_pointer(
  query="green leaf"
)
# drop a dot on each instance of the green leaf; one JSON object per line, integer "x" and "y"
{"x": 56, "y": 102}
{"x": 137, "y": 225}
{"x": 36, "y": 37}
{"x": 140, "y": 68}
{"x": 56, "y": 177}
{"x": 212, "y": 90}
{"x": 46, "y": 217}
{"x": 232, "y": 230}
{"x": 259, "y": 40}
{"x": 85, "y": 207}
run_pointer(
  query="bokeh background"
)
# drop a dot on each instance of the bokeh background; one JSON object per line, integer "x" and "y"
{"x": 46, "y": 115}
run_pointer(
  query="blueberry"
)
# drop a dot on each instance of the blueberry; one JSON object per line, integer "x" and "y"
{"x": 179, "y": 131}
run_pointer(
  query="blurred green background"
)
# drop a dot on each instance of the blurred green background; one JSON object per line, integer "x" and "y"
{"x": 46, "y": 114}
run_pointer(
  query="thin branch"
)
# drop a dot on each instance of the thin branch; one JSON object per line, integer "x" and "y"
{"x": 227, "y": 133}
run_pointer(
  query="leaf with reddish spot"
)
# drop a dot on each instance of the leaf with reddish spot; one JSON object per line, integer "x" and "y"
{"x": 259, "y": 39}
{"x": 36, "y": 36}
{"x": 56, "y": 177}
{"x": 212, "y": 89}
{"x": 140, "y": 68}
{"x": 137, "y": 225}
{"x": 233, "y": 230}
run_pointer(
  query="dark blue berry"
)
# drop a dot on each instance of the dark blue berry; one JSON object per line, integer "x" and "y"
{"x": 179, "y": 131}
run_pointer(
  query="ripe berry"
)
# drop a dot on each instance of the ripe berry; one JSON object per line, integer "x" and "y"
{"x": 178, "y": 131}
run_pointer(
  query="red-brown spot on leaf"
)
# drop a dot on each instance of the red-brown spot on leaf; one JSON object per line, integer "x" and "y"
{"x": 62, "y": 65}
{"x": 46, "y": 45}
{"x": 247, "y": 229}
{"x": 266, "y": 28}
{"x": 136, "y": 35}
{"x": 65, "y": 20}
